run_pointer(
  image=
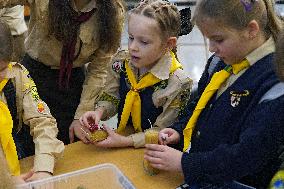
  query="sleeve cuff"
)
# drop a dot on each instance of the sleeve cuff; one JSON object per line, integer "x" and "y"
{"x": 44, "y": 162}
{"x": 191, "y": 167}
{"x": 138, "y": 139}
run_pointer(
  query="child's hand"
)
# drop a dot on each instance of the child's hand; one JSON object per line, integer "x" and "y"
{"x": 163, "y": 157}
{"x": 91, "y": 117}
{"x": 39, "y": 175}
{"x": 23, "y": 178}
{"x": 168, "y": 136}
{"x": 114, "y": 140}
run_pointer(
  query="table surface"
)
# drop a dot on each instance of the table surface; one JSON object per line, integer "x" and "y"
{"x": 128, "y": 160}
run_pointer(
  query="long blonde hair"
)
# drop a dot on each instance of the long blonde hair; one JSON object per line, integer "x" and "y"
{"x": 239, "y": 13}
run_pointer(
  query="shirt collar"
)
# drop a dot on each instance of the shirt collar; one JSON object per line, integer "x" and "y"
{"x": 10, "y": 74}
{"x": 87, "y": 8}
{"x": 161, "y": 70}
{"x": 266, "y": 48}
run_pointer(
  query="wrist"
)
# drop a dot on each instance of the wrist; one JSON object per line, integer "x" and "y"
{"x": 128, "y": 141}
{"x": 46, "y": 172}
{"x": 100, "y": 111}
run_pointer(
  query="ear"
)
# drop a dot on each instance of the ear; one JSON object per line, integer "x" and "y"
{"x": 253, "y": 29}
{"x": 171, "y": 43}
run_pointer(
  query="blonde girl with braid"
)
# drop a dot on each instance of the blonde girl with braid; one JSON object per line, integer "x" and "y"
{"x": 147, "y": 86}
{"x": 234, "y": 131}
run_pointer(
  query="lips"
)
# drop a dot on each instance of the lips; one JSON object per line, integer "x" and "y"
{"x": 134, "y": 58}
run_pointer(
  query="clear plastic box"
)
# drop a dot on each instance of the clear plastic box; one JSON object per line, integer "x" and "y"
{"x": 103, "y": 176}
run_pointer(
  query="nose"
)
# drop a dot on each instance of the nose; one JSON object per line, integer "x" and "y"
{"x": 212, "y": 47}
{"x": 132, "y": 45}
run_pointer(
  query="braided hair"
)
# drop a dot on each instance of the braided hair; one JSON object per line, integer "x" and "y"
{"x": 166, "y": 14}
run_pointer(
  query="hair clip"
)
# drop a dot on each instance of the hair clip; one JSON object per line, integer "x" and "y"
{"x": 248, "y": 4}
{"x": 186, "y": 25}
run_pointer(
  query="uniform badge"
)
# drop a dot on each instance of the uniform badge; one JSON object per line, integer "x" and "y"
{"x": 41, "y": 107}
{"x": 117, "y": 66}
{"x": 236, "y": 97}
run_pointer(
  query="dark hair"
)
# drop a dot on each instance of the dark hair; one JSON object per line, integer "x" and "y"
{"x": 279, "y": 57}
{"x": 62, "y": 18}
{"x": 238, "y": 13}
{"x": 6, "y": 42}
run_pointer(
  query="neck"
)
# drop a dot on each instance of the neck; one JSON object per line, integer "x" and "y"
{"x": 257, "y": 42}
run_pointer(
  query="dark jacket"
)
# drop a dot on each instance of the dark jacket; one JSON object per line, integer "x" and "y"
{"x": 236, "y": 143}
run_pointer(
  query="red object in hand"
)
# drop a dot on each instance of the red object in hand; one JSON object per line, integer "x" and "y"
{"x": 93, "y": 127}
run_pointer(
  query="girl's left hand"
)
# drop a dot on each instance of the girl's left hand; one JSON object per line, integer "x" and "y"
{"x": 114, "y": 140}
{"x": 39, "y": 175}
{"x": 163, "y": 157}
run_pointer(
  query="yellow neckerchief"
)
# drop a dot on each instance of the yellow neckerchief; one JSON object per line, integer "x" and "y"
{"x": 132, "y": 101}
{"x": 6, "y": 138}
{"x": 215, "y": 83}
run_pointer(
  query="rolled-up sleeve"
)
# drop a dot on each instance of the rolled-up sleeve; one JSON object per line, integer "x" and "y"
{"x": 43, "y": 128}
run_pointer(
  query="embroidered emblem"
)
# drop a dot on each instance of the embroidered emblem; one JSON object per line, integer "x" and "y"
{"x": 40, "y": 107}
{"x": 236, "y": 97}
{"x": 117, "y": 66}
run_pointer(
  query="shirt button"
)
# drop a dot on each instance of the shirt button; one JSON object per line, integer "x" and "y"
{"x": 198, "y": 134}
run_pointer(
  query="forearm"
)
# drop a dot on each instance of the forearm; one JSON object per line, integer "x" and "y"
{"x": 47, "y": 147}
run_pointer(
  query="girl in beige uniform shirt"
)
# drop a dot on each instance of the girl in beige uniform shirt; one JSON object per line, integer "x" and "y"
{"x": 62, "y": 37}
{"x": 21, "y": 104}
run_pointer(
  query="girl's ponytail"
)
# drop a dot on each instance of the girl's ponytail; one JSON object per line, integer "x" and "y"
{"x": 274, "y": 23}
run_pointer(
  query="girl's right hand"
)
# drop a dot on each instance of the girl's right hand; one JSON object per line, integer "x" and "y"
{"x": 168, "y": 136}
{"x": 91, "y": 117}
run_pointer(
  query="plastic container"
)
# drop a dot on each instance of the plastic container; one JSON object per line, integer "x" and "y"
{"x": 103, "y": 176}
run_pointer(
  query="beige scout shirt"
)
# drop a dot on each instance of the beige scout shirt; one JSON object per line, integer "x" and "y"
{"x": 35, "y": 113}
{"x": 257, "y": 54}
{"x": 173, "y": 98}
{"x": 46, "y": 49}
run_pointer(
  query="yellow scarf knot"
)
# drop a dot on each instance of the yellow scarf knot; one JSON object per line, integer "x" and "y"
{"x": 132, "y": 103}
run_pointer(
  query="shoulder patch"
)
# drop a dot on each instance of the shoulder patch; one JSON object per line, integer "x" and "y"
{"x": 117, "y": 66}
{"x": 117, "y": 62}
{"x": 42, "y": 107}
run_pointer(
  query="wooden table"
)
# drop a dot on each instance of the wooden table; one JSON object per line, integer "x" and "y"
{"x": 128, "y": 160}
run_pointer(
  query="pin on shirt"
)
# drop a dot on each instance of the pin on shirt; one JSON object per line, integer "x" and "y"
{"x": 236, "y": 97}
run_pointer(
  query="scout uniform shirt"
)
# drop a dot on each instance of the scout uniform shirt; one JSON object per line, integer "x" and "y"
{"x": 166, "y": 101}
{"x": 35, "y": 113}
{"x": 46, "y": 48}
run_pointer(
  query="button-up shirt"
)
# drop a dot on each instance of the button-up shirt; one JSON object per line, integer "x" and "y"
{"x": 172, "y": 98}
{"x": 35, "y": 113}
{"x": 46, "y": 48}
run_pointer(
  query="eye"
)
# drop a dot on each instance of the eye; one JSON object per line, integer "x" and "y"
{"x": 219, "y": 40}
{"x": 130, "y": 38}
{"x": 144, "y": 42}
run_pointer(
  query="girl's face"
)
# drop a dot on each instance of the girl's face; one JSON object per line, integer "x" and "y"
{"x": 145, "y": 42}
{"x": 229, "y": 44}
{"x": 3, "y": 69}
